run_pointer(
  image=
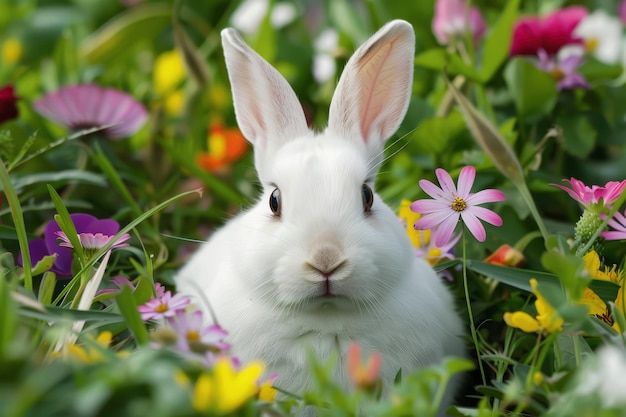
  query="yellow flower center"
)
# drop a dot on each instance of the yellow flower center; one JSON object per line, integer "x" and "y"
{"x": 161, "y": 308}
{"x": 193, "y": 336}
{"x": 591, "y": 44}
{"x": 557, "y": 73}
{"x": 459, "y": 204}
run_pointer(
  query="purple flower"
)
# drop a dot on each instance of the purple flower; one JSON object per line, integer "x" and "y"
{"x": 87, "y": 105}
{"x": 162, "y": 307}
{"x": 452, "y": 19}
{"x": 62, "y": 267}
{"x": 8, "y": 107}
{"x": 618, "y": 222}
{"x": 564, "y": 71}
{"x": 450, "y": 204}
{"x": 193, "y": 335}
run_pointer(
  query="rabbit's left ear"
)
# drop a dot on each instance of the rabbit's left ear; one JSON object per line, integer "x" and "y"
{"x": 374, "y": 90}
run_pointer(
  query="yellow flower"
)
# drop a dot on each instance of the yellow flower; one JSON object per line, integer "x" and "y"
{"x": 267, "y": 392}
{"x": 421, "y": 239}
{"x": 89, "y": 353}
{"x": 169, "y": 72}
{"x": 11, "y": 51}
{"x": 226, "y": 389}
{"x": 546, "y": 321}
{"x": 597, "y": 307}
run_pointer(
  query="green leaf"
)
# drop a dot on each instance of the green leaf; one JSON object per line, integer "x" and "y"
{"x": 46, "y": 288}
{"x": 578, "y": 134}
{"x": 54, "y": 313}
{"x": 534, "y": 91}
{"x": 520, "y": 278}
{"x": 112, "y": 174}
{"x": 439, "y": 59}
{"x": 128, "y": 308}
{"x": 64, "y": 221}
{"x": 498, "y": 43}
{"x": 8, "y": 317}
{"x": 347, "y": 19}
{"x": 44, "y": 264}
{"x": 74, "y": 175}
{"x": 434, "y": 135}
{"x": 18, "y": 221}
{"x": 117, "y": 36}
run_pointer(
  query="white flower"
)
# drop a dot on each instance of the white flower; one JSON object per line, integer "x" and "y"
{"x": 324, "y": 65}
{"x": 602, "y": 34}
{"x": 250, "y": 13}
{"x": 606, "y": 378}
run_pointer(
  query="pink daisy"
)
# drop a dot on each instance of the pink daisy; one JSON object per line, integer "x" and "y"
{"x": 618, "y": 222}
{"x": 449, "y": 204}
{"x": 86, "y": 106}
{"x": 162, "y": 307}
{"x": 192, "y": 332}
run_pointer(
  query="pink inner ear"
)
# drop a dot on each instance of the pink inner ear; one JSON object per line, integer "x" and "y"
{"x": 374, "y": 78}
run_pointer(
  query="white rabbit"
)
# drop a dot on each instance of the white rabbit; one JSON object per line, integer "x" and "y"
{"x": 320, "y": 261}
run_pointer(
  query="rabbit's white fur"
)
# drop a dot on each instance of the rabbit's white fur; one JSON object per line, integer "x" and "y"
{"x": 325, "y": 272}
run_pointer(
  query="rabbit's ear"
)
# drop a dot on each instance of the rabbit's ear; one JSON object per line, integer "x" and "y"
{"x": 374, "y": 90}
{"x": 267, "y": 109}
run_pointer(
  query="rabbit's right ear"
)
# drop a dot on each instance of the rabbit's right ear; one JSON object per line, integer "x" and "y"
{"x": 267, "y": 109}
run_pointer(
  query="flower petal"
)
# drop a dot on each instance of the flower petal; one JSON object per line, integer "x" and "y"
{"x": 432, "y": 190}
{"x": 428, "y": 206}
{"x": 446, "y": 229}
{"x": 465, "y": 182}
{"x": 521, "y": 320}
{"x": 484, "y": 214}
{"x": 485, "y": 196}
{"x": 474, "y": 225}
{"x": 445, "y": 180}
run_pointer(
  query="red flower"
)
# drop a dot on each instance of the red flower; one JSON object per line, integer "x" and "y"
{"x": 506, "y": 255}
{"x": 549, "y": 33}
{"x": 8, "y": 107}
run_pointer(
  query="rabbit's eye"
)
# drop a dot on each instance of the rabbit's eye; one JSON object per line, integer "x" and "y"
{"x": 368, "y": 197}
{"x": 275, "y": 202}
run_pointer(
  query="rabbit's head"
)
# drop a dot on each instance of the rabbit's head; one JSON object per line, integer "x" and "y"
{"x": 327, "y": 239}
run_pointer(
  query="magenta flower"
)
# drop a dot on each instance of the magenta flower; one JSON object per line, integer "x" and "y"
{"x": 450, "y": 204}
{"x": 453, "y": 19}
{"x": 565, "y": 71}
{"x": 8, "y": 104}
{"x": 622, "y": 11}
{"x": 618, "y": 223}
{"x": 595, "y": 194}
{"x": 549, "y": 33}
{"x": 120, "y": 282}
{"x": 62, "y": 267}
{"x": 87, "y": 106}
{"x": 194, "y": 335}
{"x": 162, "y": 307}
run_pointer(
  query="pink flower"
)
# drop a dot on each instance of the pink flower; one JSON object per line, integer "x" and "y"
{"x": 595, "y": 194}
{"x": 452, "y": 19}
{"x": 565, "y": 71}
{"x": 119, "y": 281}
{"x": 619, "y": 224}
{"x": 163, "y": 307}
{"x": 93, "y": 241}
{"x": 549, "y": 33}
{"x": 450, "y": 204}
{"x": 87, "y": 106}
{"x": 193, "y": 335}
{"x": 622, "y": 11}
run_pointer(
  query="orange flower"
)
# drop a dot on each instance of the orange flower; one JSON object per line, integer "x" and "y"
{"x": 505, "y": 255}
{"x": 363, "y": 376}
{"x": 226, "y": 145}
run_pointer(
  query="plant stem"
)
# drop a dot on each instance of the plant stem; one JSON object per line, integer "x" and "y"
{"x": 469, "y": 312}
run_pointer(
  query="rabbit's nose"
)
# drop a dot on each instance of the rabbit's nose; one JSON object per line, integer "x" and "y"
{"x": 326, "y": 257}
